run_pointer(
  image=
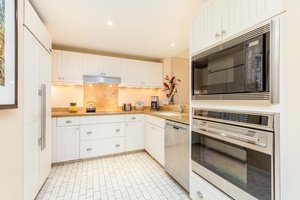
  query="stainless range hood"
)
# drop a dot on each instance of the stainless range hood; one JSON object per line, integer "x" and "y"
{"x": 101, "y": 79}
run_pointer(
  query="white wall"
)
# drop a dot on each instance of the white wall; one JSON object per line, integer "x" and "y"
{"x": 11, "y": 134}
{"x": 180, "y": 68}
{"x": 293, "y": 98}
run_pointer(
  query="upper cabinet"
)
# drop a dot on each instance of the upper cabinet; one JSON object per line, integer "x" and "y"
{"x": 141, "y": 73}
{"x": 70, "y": 67}
{"x": 67, "y": 67}
{"x": 219, "y": 20}
{"x": 96, "y": 65}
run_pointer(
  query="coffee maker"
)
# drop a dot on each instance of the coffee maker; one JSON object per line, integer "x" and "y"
{"x": 154, "y": 103}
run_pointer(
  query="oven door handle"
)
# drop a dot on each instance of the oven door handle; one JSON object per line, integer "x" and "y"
{"x": 228, "y": 134}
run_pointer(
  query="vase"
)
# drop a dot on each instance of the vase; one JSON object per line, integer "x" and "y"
{"x": 73, "y": 109}
{"x": 171, "y": 100}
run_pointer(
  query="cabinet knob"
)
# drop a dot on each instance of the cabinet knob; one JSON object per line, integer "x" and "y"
{"x": 199, "y": 194}
{"x": 89, "y": 132}
{"x": 133, "y": 118}
{"x": 68, "y": 122}
{"x": 89, "y": 149}
{"x": 223, "y": 32}
{"x": 117, "y": 145}
{"x": 217, "y": 35}
{"x": 117, "y": 130}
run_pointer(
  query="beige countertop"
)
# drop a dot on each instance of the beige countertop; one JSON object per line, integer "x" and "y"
{"x": 182, "y": 118}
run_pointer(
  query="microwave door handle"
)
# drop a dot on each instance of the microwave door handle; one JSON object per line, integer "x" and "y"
{"x": 275, "y": 61}
{"x": 230, "y": 134}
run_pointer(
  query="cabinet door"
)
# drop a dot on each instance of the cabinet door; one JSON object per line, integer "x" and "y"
{"x": 152, "y": 74}
{"x": 66, "y": 143}
{"x": 72, "y": 67}
{"x": 111, "y": 66}
{"x": 240, "y": 15}
{"x": 92, "y": 64}
{"x": 56, "y": 65}
{"x": 159, "y": 145}
{"x": 135, "y": 138}
{"x": 131, "y": 72}
{"x": 155, "y": 142}
{"x": 148, "y": 138}
{"x": 206, "y": 26}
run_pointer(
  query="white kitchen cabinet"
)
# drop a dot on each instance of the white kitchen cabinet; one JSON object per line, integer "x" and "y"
{"x": 200, "y": 189}
{"x": 155, "y": 138}
{"x": 98, "y": 131}
{"x": 221, "y": 20}
{"x": 97, "y": 65}
{"x": 36, "y": 66}
{"x": 135, "y": 137}
{"x": 105, "y": 146}
{"x": 141, "y": 73}
{"x": 102, "y": 135}
{"x": 65, "y": 139}
{"x": 67, "y": 67}
{"x": 206, "y": 26}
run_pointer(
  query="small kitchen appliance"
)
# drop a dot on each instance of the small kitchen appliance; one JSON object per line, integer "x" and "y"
{"x": 154, "y": 102}
{"x": 126, "y": 107}
{"x": 90, "y": 107}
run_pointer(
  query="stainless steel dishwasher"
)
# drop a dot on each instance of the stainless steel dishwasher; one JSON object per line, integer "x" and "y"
{"x": 177, "y": 152}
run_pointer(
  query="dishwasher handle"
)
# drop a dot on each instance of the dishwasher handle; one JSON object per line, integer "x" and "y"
{"x": 177, "y": 128}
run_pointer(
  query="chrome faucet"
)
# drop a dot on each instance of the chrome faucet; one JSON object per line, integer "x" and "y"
{"x": 180, "y": 102}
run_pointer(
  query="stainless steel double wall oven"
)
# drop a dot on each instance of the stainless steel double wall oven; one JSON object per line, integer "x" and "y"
{"x": 235, "y": 151}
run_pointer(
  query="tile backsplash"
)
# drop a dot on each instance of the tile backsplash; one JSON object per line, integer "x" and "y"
{"x": 105, "y": 96}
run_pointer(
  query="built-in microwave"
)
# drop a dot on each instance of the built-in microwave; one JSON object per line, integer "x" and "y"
{"x": 238, "y": 69}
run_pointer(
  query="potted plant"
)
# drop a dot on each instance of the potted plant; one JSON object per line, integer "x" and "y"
{"x": 73, "y": 108}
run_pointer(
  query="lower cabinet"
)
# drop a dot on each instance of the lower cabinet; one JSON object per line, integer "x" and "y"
{"x": 90, "y": 136}
{"x": 135, "y": 137}
{"x": 99, "y": 147}
{"x": 200, "y": 189}
{"x": 65, "y": 139}
{"x": 155, "y": 138}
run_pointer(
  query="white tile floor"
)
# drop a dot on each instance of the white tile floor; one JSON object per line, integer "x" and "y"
{"x": 129, "y": 176}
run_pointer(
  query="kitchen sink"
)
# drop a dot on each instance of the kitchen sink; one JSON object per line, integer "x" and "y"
{"x": 170, "y": 114}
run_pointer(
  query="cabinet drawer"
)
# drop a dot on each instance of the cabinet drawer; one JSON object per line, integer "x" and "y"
{"x": 102, "y": 119}
{"x": 133, "y": 118}
{"x": 200, "y": 189}
{"x": 155, "y": 120}
{"x": 97, "y": 131}
{"x": 99, "y": 147}
{"x": 67, "y": 121}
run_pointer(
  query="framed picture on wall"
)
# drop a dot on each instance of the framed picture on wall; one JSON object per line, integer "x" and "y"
{"x": 8, "y": 54}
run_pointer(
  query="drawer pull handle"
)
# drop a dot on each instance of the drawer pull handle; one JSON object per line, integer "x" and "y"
{"x": 89, "y": 133}
{"x": 199, "y": 194}
{"x": 89, "y": 149}
{"x": 117, "y": 145}
{"x": 117, "y": 130}
{"x": 68, "y": 122}
{"x": 133, "y": 118}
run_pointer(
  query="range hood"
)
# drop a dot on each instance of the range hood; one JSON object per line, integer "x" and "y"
{"x": 101, "y": 79}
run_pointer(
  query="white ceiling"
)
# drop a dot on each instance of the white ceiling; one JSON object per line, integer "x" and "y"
{"x": 142, "y": 28}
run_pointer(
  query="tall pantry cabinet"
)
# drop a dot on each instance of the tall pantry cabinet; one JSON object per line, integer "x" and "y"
{"x": 37, "y": 104}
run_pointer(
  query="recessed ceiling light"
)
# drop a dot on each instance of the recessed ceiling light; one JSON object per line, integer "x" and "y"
{"x": 109, "y": 23}
{"x": 173, "y": 45}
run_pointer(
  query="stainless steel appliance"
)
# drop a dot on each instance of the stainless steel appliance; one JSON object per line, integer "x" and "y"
{"x": 177, "y": 152}
{"x": 154, "y": 103}
{"x": 238, "y": 152}
{"x": 126, "y": 107}
{"x": 244, "y": 68}
{"x": 90, "y": 106}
